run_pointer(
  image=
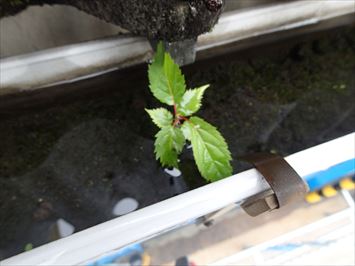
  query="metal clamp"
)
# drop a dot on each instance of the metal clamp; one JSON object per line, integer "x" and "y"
{"x": 286, "y": 185}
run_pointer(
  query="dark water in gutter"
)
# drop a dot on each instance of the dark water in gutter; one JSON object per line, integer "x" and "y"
{"x": 75, "y": 156}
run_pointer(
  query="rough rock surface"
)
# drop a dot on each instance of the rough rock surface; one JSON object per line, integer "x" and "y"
{"x": 169, "y": 20}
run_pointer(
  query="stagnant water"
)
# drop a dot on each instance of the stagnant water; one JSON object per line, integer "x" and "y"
{"x": 74, "y": 158}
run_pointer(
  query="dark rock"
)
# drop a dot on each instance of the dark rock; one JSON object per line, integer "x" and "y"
{"x": 169, "y": 20}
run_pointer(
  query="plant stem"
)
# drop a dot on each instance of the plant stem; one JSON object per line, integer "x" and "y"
{"x": 178, "y": 117}
{"x": 184, "y": 118}
{"x": 175, "y": 110}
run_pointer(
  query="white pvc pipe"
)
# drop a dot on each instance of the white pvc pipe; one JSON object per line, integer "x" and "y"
{"x": 147, "y": 222}
{"x": 68, "y": 63}
{"x": 323, "y": 156}
{"x": 234, "y": 26}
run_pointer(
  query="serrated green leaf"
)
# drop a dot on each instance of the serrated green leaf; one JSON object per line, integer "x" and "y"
{"x": 186, "y": 130}
{"x": 191, "y": 101}
{"x": 166, "y": 81}
{"x": 161, "y": 117}
{"x": 210, "y": 150}
{"x": 168, "y": 144}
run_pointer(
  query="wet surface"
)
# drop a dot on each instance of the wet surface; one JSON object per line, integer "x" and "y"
{"x": 76, "y": 160}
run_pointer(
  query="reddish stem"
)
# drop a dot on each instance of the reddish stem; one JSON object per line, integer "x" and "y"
{"x": 178, "y": 117}
{"x": 183, "y": 118}
{"x": 176, "y": 121}
{"x": 175, "y": 110}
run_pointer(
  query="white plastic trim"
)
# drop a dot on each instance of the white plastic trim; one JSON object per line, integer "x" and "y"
{"x": 147, "y": 222}
{"x": 235, "y": 26}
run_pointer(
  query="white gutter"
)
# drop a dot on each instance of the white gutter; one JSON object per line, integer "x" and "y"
{"x": 107, "y": 237}
{"x": 236, "y": 26}
{"x": 68, "y": 63}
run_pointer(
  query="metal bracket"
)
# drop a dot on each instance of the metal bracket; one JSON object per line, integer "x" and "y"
{"x": 209, "y": 219}
{"x": 286, "y": 185}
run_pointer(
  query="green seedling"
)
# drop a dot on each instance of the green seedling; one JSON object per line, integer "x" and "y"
{"x": 210, "y": 150}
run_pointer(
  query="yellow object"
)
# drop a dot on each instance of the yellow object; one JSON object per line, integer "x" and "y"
{"x": 146, "y": 259}
{"x": 329, "y": 191}
{"x": 347, "y": 184}
{"x": 313, "y": 197}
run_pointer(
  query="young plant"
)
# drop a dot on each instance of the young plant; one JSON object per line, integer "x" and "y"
{"x": 210, "y": 150}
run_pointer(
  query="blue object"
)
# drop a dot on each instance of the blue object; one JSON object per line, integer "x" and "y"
{"x": 331, "y": 175}
{"x": 292, "y": 246}
{"x": 135, "y": 248}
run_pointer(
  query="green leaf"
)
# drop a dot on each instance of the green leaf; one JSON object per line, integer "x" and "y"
{"x": 191, "y": 101}
{"x": 161, "y": 117}
{"x": 168, "y": 144}
{"x": 210, "y": 150}
{"x": 186, "y": 130}
{"x": 166, "y": 81}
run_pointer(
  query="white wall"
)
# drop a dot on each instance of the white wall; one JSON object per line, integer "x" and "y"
{"x": 38, "y": 28}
